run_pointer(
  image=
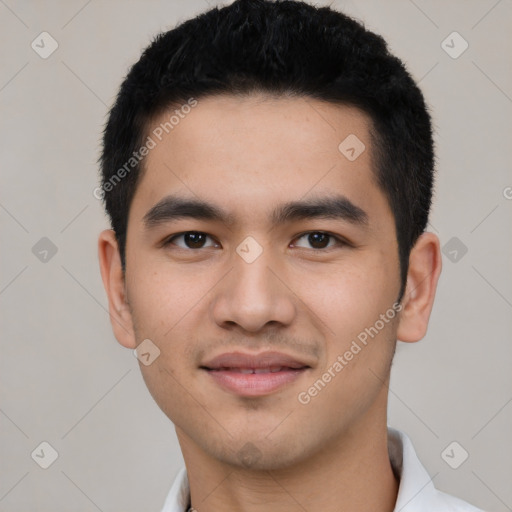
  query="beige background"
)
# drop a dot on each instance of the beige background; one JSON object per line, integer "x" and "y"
{"x": 65, "y": 380}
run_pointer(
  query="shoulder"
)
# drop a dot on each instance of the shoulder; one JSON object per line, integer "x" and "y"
{"x": 417, "y": 492}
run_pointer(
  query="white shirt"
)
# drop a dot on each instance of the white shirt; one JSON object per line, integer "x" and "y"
{"x": 416, "y": 491}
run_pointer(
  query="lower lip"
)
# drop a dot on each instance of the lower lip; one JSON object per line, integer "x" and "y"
{"x": 254, "y": 384}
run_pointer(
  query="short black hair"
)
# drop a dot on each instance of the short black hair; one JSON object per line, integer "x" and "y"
{"x": 281, "y": 48}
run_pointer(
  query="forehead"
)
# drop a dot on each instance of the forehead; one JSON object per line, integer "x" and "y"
{"x": 248, "y": 152}
{"x": 219, "y": 125}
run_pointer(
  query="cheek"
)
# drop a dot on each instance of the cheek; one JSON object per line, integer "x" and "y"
{"x": 161, "y": 300}
{"x": 162, "y": 308}
{"x": 166, "y": 309}
{"x": 347, "y": 300}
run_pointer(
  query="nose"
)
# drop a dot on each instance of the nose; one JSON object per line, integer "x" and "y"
{"x": 253, "y": 296}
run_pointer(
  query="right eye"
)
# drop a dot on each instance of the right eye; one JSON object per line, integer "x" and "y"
{"x": 190, "y": 240}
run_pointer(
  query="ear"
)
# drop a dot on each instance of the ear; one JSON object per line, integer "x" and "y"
{"x": 425, "y": 264}
{"x": 114, "y": 283}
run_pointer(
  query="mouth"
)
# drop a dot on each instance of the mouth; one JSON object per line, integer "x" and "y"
{"x": 254, "y": 375}
{"x": 247, "y": 371}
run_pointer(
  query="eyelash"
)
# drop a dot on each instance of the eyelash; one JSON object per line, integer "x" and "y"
{"x": 339, "y": 241}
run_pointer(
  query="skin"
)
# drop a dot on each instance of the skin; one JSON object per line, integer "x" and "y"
{"x": 248, "y": 155}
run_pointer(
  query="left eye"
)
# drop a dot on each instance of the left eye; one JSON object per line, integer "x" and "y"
{"x": 318, "y": 240}
{"x": 191, "y": 240}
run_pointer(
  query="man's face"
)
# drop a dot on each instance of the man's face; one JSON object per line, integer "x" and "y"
{"x": 305, "y": 284}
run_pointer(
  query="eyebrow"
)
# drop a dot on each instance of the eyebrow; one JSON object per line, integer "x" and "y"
{"x": 172, "y": 208}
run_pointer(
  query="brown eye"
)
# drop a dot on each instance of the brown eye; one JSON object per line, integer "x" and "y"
{"x": 190, "y": 240}
{"x": 317, "y": 240}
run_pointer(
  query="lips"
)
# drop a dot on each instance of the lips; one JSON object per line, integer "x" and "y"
{"x": 250, "y": 363}
{"x": 270, "y": 369}
{"x": 251, "y": 375}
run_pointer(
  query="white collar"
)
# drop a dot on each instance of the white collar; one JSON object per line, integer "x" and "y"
{"x": 416, "y": 492}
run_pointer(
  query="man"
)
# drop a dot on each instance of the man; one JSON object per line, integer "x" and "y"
{"x": 268, "y": 170}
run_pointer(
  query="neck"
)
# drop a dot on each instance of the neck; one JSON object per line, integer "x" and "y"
{"x": 352, "y": 473}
